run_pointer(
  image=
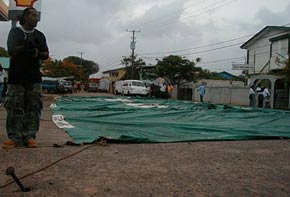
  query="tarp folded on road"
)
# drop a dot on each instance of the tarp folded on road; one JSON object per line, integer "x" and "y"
{"x": 155, "y": 120}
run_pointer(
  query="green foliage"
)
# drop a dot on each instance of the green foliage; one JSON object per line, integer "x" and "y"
{"x": 132, "y": 72}
{"x": 3, "y": 52}
{"x": 177, "y": 69}
{"x": 63, "y": 69}
{"x": 88, "y": 67}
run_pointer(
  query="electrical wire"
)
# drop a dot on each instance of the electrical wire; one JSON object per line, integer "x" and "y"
{"x": 161, "y": 26}
{"x": 143, "y": 55}
{"x": 170, "y": 14}
{"x": 213, "y": 44}
{"x": 48, "y": 166}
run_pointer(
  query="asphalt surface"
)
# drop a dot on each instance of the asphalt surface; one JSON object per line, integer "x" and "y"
{"x": 229, "y": 168}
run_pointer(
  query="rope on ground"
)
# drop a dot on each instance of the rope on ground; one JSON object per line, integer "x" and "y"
{"x": 57, "y": 161}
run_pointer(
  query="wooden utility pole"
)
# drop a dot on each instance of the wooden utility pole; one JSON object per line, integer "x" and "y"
{"x": 132, "y": 46}
{"x": 81, "y": 53}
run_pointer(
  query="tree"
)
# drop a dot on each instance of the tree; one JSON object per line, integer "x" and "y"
{"x": 132, "y": 73}
{"x": 55, "y": 68}
{"x": 176, "y": 69}
{"x": 3, "y": 52}
{"x": 88, "y": 67}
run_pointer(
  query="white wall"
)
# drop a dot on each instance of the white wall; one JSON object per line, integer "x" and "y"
{"x": 220, "y": 83}
{"x": 224, "y": 95}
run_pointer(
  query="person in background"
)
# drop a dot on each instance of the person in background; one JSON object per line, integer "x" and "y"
{"x": 266, "y": 96}
{"x": 163, "y": 91}
{"x": 252, "y": 96}
{"x": 201, "y": 91}
{"x": 170, "y": 89}
{"x": 26, "y": 47}
{"x": 153, "y": 90}
{"x": 2, "y": 72}
{"x": 260, "y": 99}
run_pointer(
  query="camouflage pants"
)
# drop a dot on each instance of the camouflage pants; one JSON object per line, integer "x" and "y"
{"x": 23, "y": 105}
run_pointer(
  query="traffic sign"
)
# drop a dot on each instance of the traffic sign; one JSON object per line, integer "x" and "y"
{"x": 242, "y": 67}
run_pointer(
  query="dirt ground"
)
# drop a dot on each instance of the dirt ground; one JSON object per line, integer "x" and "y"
{"x": 229, "y": 168}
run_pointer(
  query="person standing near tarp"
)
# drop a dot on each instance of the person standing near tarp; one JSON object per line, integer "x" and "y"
{"x": 266, "y": 96}
{"x": 2, "y": 72}
{"x": 26, "y": 47}
{"x": 201, "y": 91}
{"x": 170, "y": 89}
{"x": 252, "y": 96}
{"x": 163, "y": 91}
{"x": 260, "y": 98}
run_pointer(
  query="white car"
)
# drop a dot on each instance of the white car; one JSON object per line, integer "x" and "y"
{"x": 134, "y": 87}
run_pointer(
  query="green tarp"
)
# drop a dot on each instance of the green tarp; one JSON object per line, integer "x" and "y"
{"x": 155, "y": 120}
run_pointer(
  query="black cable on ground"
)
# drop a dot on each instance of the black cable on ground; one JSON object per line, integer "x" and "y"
{"x": 44, "y": 168}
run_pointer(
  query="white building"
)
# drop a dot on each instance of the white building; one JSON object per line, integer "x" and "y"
{"x": 264, "y": 47}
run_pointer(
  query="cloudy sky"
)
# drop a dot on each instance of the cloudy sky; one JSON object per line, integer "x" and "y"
{"x": 210, "y": 29}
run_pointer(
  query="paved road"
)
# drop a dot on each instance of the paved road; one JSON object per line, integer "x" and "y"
{"x": 235, "y": 168}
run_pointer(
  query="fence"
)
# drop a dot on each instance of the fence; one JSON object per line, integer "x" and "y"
{"x": 216, "y": 95}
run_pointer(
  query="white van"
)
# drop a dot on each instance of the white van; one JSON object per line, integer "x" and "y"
{"x": 134, "y": 87}
{"x": 118, "y": 87}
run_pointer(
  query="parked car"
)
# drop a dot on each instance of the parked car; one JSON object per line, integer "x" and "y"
{"x": 134, "y": 87}
{"x": 65, "y": 87}
{"x": 50, "y": 86}
{"x": 92, "y": 87}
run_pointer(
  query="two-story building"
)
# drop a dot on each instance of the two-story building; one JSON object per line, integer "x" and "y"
{"x": 265, "y": 47}
{"x": 263, "y": 50}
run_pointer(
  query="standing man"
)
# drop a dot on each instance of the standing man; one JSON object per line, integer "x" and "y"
{"x": 201, "y": 91}
{"x": 26, "y": 47}
{"x": 266, "y": 95}
{"x": 252, "y": 96}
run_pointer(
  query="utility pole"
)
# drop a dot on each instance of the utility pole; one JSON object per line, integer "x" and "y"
{"x": 132, "y": 46}
{"x": 81, "y": 52}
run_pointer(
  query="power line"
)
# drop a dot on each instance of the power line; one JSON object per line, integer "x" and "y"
{"x": 227, "y": 59}
{"x": 214, "y": 49}
{"x": 221, "y": 1}
{"x": 172, "y": 13}
{"x": 213, "y": 44}
{"x": 218, "y": 48}
{"x": 187, "y": 16}
{"x": 124, "y": 34}
{"x": 240, "y": 57}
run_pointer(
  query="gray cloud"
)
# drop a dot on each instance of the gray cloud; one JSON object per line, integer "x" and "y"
{"x": 266, "y": 16}
{"x": 98, "y": 28}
